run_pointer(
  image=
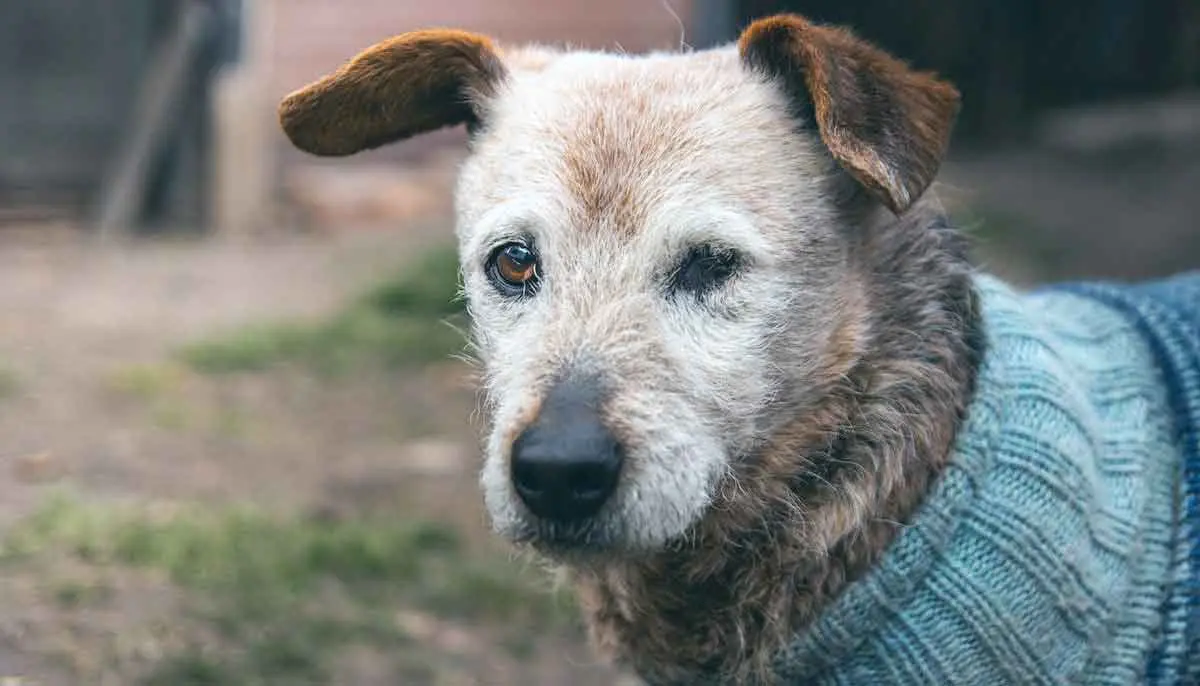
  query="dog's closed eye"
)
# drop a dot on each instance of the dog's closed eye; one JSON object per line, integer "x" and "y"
{"x": 704, "y": 268}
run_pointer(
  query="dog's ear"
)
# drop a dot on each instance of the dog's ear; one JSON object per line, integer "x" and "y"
{"x": 410, "y": 84}
{"x": 883, "y": 122}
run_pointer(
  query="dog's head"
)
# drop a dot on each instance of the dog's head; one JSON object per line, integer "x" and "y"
{"x": 655, "y": 249}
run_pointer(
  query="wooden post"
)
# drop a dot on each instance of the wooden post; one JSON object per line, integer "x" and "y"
{"x": 244, "y": 170}
{"x": 156, "y": 113}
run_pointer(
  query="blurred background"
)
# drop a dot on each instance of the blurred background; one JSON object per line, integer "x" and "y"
{"x": 236, "y": 440}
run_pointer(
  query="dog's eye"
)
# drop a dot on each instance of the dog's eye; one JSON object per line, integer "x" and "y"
{"x": 704, "y": 268}
{"x": 513, "y": 269}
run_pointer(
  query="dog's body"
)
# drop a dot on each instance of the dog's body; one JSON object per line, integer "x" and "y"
{"x": 730, "y": 346}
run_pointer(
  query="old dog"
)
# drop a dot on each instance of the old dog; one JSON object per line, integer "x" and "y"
{"x": 744, "y": 385}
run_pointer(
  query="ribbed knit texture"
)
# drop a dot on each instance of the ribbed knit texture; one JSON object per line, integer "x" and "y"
{"x": 1058, "y": 547}
{"x": 1167, "y": 313}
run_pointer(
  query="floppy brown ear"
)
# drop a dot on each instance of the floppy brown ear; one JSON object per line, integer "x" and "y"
{"x": 885, "y": 123}
{"x": 410, "y": 84}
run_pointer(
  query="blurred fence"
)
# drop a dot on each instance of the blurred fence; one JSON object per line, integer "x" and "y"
{"x": 106, "y": 107}
{"x": 1014, "y": 59}
{"x": 96, "y": 126}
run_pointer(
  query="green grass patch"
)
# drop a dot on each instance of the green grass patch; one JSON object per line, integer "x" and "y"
{"x": 193, "y": 668}
{"x": 146, "y": 382}
{"x": 415, "y": 318}
{"x": 162, "y": 389}
{"x": 10, "y": 383}
{"x": 72, "y": 593}
{"x": 285, "y": 594}
{"x": 429, "y": 288}
{"x": 358, "y": 336}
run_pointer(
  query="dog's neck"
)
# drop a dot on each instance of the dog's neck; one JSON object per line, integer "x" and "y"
{"x": 815, "y": 507}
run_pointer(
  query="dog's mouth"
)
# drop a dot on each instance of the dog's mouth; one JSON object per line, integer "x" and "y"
{"x": 633, "y": 521}
{"x": 564, "y": 541}
{"x": 602, "y": 538}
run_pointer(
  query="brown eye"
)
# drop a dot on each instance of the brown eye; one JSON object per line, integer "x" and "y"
{"x": 514, "y": 269}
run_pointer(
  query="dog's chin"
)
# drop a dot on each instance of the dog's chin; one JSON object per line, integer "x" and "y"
{"x": 588, "y": 542}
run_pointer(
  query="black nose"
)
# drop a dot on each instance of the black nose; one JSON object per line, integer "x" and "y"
{"x": 565, "y": 465}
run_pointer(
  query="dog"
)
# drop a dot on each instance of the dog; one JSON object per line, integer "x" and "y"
{"x": 744, "y": 385}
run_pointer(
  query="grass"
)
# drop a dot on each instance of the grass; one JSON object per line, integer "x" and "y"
{"x": 71, "y": 593}
{"x": 10, "y": 383}
{"x": 415, "y": 318}
{"x": 163, "y": 389}
{"x": 146, "y": 382}
{"x": 285, "y": 594}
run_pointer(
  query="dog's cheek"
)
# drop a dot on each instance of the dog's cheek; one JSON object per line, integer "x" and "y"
{"x": 676, "y": 461}
{"x": 722, "y": 361}
{"x": 511, "y": 341}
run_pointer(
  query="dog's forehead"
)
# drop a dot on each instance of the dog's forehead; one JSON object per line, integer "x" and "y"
{"x": 609, "y": 138}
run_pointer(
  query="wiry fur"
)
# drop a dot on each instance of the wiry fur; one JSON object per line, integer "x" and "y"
{"x": 815, "y": 506}
{"x": 779, "y": 430}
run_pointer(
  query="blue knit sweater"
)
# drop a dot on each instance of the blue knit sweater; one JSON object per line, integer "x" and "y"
{"x": 1062, "y": 544}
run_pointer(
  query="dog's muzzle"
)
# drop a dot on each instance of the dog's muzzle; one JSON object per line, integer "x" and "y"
{"x": 566, "y": 463}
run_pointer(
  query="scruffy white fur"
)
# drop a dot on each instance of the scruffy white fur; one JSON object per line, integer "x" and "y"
{"x": 689, "y": 388}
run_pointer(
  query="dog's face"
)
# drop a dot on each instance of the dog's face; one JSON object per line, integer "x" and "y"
{"x": 663, "y": 203}
{"x": 654, "y": 249}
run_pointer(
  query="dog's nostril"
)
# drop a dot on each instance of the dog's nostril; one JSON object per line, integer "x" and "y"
{"x": 528, "y": 477}
{"x": 565, "y": 471}
{"x": 590, "y": 479}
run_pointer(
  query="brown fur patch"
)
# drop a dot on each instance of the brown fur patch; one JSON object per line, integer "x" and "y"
{"x": 410, "y": 84}
{"x": 886, "y": 124}
{"x": 527, "y": 417}
{"x": 617, "y": 155}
